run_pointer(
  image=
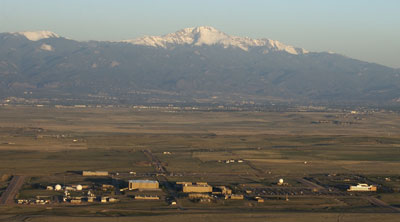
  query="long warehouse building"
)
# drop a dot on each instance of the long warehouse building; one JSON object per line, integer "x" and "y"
{"x": 197, "y": 188}
{"x": 143, "y": 184}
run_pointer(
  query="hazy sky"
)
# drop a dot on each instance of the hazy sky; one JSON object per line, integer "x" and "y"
{"x": 364, "y": 29}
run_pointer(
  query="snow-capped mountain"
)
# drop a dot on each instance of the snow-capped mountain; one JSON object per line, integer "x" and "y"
{"x": 37, "y": 35}
{"x": 206, "y": 35}
{"x": 193, "y": 65}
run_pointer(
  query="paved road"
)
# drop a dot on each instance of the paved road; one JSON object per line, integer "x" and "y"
{"x": 381, "y": 203}
{"x": 161, "y": 171}
{"x": 12, "y": 190}
{"x": 310, "y": 184}
{"x": 155, "y": 161}
{"x": 116, "y": 185}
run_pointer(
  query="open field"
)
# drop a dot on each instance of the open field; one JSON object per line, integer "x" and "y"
{"x": 273, "y": 217}
{"x": 329, "y": 149}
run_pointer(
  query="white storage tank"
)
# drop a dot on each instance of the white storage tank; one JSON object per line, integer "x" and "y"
{"x": 58, "y": 187}
{"x": 79, "y": 187}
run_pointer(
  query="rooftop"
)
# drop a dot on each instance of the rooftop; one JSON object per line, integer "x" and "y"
{"x": 143, "y": 181}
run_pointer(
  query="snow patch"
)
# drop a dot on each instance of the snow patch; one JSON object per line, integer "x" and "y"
{"x": 38, "y": 35}
{"x": 206, "y": 35}
{"x": 46, "y": 47}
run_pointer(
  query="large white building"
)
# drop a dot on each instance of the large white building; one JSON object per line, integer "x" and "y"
{"x": 362, "y": 187}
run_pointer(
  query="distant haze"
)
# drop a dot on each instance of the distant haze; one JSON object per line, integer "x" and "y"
{"x": 366, "y": 30}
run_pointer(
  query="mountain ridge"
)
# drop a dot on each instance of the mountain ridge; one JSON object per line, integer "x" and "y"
{"x": 57, "y": 68}
{"x": 37, "y": 35}
{"x": 207, "y": 35}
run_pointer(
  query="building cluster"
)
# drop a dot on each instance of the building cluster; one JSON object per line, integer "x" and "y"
{"x": 36, "y": 201}
{"x": 87, "y": 195}
{"x": 231, "y": 161}
{"x": 202, "y": 191}
{"x": 146, "y": 197}
{"x": 144, "y": 189}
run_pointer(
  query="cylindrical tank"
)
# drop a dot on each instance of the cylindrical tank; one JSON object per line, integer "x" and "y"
{"x": 58, "y": 187}
{"x": 281, "y": 181}
{"x": 79, "y": 187}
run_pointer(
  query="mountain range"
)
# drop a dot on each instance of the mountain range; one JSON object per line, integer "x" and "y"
{"x": 193, "y": 65}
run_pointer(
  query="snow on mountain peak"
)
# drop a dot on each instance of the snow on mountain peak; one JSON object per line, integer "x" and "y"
{"x": 37, "y": 35}
{"x": 206, "y": 35}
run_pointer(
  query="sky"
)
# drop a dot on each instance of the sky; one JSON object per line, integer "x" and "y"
{"x": 368, "y": 30}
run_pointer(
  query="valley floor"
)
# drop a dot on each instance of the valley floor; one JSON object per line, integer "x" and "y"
{"x": 317, "y": 154}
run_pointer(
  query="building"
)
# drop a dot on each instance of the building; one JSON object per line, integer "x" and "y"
{"x": 106, "y": 187}
{"x": 143, "y": 185}
{"x": 201, "y": 183}
{"x": 145, "y": 197}
{"x": 184, "y": 183}
{"x": 221, "y": 190}
{"x": 362, "y": 187}
{"x": 193, "y": 196}
{"x": 225, "y": 190}
{"x": 197, "y": 188}
{"x": 94, "y": 173}
{"x": 112, "y": 200}
{"x": 237, "y": 197}
{"x": 76, "y": 201}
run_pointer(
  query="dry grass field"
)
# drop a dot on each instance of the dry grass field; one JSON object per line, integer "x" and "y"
{"x": 50, "y": 144}
{"x": 272, "y": 217}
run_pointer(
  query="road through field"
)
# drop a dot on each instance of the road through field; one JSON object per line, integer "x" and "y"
{"x": 380, "y": 203}
{"x": 161, "y": 171}
{"x": 310, "y": 184}
{"x": 12, "y": 190}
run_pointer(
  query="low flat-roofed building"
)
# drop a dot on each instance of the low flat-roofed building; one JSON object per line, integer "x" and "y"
{"x": 184, "y": 183}
{"x": 362, "y": 187}
{"x": 199, "y": 196}
{"x": 237, "y": 197}
{"x": 112, "y": 200}
{"x": 107, "y": 186}
{"x": 201, "y": 183}
{"x": 224, "y": 190}
{"x": 196, "y": 188}
{"x": 146, "y": 197}
{"x": 143, "y": 185}
{"x": 87, "y": 173}
{"x": 76, "y": 201}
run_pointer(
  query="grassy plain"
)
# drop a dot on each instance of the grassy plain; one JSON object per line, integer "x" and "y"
{"x": 51, "y": 144}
